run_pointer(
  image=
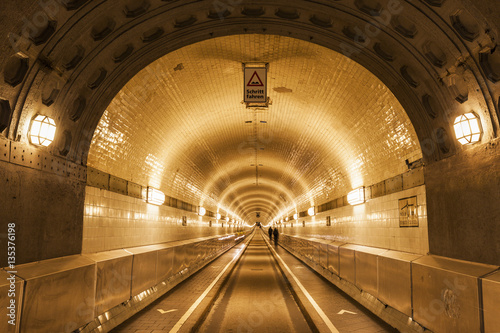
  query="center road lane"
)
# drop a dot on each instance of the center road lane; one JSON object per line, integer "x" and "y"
{"x": 256, "y": 298}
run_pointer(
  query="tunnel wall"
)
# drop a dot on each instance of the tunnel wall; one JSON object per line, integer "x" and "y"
{"x": 113, "y": 221}
{"x": 375, "y": 223}
{"x": 43, "y": 196}
{"x": 464, "y": 205}
{"x": 413, "y": 293}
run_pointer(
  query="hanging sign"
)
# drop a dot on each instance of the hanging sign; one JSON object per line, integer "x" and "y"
{"x": 255, "y": 88}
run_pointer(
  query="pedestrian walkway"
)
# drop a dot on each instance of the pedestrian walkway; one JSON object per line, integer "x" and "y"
{"x": 346, "y": 314}
{"x": 164, "y": 313}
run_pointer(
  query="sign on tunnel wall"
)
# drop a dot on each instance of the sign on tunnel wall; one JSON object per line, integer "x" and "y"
{"x": 408, "y": 216}
{"x": 255, "y": 88}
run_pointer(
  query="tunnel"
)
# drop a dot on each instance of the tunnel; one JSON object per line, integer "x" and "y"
{"x": 143, "y": 140}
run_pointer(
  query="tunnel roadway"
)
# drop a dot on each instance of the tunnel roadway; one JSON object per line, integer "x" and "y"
{"x": 254, "y": 287}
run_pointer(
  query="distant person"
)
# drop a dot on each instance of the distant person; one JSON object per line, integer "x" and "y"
{"x": 276, "y": 234}
{"x": 270, "y": 231}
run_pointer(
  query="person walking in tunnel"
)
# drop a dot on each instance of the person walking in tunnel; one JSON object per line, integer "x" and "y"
{"x": 270, "y": 231}
{"x": 276, "y": 234}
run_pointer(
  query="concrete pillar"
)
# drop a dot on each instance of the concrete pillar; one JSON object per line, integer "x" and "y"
{"x": 463, "y": 205}
{"x": 47, "y": 210}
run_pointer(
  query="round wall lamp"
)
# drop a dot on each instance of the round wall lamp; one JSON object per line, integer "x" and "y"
{"x": 42, "y": 130}
{"x": 202, "y": 211}
{"x": 311, "y": 211}
{"x": 468, "y": 128}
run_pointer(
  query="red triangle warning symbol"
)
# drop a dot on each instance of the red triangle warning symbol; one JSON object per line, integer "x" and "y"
{"x": 255, "y": 81}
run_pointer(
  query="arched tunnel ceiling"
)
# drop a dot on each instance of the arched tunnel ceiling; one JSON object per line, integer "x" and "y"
{"x": 180, "y": 125}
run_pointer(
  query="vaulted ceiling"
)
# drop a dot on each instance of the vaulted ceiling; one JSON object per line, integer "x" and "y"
{"x": 180, "y": 125}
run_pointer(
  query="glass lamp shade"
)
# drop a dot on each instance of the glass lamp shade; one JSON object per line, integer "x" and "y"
{"x": 356, "y": 197}
{"x": 467, "y": 128}
{"x": 42, "y": 131}
{"x": 311, "y": 211}
{"x": 202, "y": 211}
{"x": 155, "y": 197}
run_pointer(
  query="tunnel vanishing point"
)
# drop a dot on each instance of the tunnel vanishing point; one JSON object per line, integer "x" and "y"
{"x": 395, "y": 103}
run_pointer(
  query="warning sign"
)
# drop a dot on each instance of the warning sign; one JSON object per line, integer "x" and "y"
{"x": 255, "y": 89}
{"x": 255, "y": 81}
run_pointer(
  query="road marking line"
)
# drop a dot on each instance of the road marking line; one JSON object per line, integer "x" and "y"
{"x": 163, "y": 312}
{"x": 345, "y": 311}
{"x": 323, "y": 316}
{"x": 193, "y": 307}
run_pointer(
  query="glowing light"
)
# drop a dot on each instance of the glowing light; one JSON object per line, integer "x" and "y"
{"x": 42, "y": 131}
{"x": 356, "y": 197}
{"x": 202, "y": 211}
{"x": 217, "y": 216}
{"x": 154, "y": 196}
{"x": 227, "y": 218}
{"x": 311, "y": 211}
{"x": 295, "y": 216}
{"x": 467, "y": 128}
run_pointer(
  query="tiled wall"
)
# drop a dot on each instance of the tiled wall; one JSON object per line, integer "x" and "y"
{"x": 114, "y": 221}
{"x": 374, "y": 223}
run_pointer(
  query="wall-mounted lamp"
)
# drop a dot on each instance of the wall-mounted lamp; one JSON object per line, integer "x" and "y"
{"x": 217, "y": 216}
{"x": 227, "y": 218}
{"x": 311, "y": 211}
{"x": 295, "y": 216}
{"x": 154, "y": 196}
{"x": 286, "y": 219}
{"x": 202, "y": 211}
{"x": 356, "y": 197}
{"x": 467, "y": 128}
{"x": 42, "y": 131}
